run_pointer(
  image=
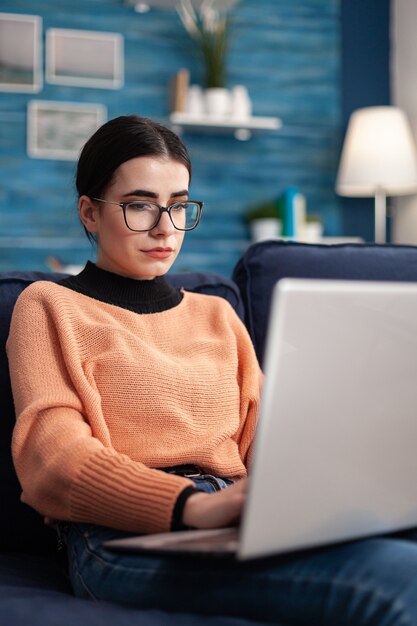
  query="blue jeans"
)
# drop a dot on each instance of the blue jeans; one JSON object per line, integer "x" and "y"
{"x": 370, "y": 582}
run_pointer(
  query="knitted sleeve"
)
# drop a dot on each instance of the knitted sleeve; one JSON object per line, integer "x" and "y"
{"x": 67, "y": 471}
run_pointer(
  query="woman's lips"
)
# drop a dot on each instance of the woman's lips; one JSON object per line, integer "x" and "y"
{"x": 158, "y": 253}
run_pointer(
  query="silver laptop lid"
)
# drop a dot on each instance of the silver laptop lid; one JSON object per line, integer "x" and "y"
{"x": 335, "y": 453}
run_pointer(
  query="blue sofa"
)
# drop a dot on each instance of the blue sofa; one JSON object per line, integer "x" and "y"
{"x": 33, "y": 587}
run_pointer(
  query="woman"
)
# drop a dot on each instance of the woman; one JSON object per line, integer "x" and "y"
{"x": 136, "y": 411}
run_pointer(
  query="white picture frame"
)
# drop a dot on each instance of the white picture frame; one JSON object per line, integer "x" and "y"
{"x": 58, "y": 130}
{"x": 84, "y": 58}
{"x": 21, "y": 53}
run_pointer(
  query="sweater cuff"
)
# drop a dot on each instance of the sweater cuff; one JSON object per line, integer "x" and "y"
{"x": 176, "y": 523}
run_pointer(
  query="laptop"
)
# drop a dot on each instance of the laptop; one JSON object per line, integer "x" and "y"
{"x": 335, "y": 451}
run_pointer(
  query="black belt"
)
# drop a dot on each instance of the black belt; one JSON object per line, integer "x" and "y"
{"x": 187, "y": 471}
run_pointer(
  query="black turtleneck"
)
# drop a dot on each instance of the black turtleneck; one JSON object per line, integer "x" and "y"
{"x": 140, "y": 296}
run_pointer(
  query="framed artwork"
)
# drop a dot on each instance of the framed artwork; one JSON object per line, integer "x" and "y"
{"x": 84, "y": 58}
{"x": 58, "y": 130}
{"x": 20, "y": 53}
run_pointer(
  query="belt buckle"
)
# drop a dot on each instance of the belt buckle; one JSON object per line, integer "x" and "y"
{"x": 193, "y": 473}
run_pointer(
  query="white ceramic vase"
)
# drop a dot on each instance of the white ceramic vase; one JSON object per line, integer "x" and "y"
{"x": 217, "y": 101}
{"x": 265, "y": 228}
{"x": 195, "y": 105}
{"x": 241, "y": 106}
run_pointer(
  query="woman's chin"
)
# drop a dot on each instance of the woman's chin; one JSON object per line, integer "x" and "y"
{"x": 155, "y": 267}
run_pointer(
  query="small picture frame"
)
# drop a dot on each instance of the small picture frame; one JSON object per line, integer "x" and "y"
{"x": 84, "y": 58}
{"x": 20, "y": 53}
{"x": 58, "y": 130}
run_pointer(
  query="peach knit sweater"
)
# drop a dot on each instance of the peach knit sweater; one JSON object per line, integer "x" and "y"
{"x": 103, "y": 395}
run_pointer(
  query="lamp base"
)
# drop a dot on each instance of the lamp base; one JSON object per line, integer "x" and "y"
{"x": 380, "y": 216}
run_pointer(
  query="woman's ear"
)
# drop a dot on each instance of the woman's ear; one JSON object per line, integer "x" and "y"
{"x": 88, "y": 213}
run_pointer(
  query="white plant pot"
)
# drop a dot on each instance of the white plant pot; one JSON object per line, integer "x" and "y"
{"x": 266, "y": 228}
{"x": 217, "y": 101}
{"x": 312, "y": 232}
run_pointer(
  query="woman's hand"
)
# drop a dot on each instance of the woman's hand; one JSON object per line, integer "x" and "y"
{"x": 216, "y": 510}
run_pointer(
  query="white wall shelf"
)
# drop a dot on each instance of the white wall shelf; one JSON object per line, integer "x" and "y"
{"x": 241, "y": 129}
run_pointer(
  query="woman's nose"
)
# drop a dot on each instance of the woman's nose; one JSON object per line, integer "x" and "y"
{"x": 164, "y": 226}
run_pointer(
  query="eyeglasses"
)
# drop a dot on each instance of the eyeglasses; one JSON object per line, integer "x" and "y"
{"x": 141, "y": 215}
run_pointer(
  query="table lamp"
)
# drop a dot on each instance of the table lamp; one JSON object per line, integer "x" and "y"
{"x": 378, "y": 159}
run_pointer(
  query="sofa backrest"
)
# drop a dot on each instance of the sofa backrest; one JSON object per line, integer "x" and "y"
{"x": 265, "y": 263}
{"x": 21, "y": 528}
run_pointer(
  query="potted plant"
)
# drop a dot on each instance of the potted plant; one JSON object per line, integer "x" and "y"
{"x": 313, "y": 228}
{"x": 264, "y": 221}
{"x": 208, "y": 26}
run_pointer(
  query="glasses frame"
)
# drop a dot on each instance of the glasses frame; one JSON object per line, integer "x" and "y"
{"x": 162, "y": 209}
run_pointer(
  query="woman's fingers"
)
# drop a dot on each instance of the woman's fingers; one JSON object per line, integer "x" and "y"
{"x": 214, "y": 510}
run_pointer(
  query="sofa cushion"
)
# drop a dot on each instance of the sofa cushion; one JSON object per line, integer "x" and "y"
{"x": 265, "y": 263}
{"x": 21, "y": 528}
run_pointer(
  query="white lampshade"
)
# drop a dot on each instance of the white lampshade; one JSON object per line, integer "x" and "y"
{"x": 378, "y": 159}
{"x": 378, "y": 154}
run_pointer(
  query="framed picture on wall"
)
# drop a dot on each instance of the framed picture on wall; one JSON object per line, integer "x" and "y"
{"x": 58, "y": 130}
{"x": 20, "y": 53}
{"x": 84, "y": 58}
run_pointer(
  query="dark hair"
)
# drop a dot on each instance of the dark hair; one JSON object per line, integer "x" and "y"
{"x": 120, "y": 140}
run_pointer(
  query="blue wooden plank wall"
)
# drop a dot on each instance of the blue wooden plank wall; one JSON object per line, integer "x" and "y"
{"x": 288, "y": 55}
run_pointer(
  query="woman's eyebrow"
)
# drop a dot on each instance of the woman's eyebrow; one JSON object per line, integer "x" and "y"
{"x": 143, "y": 193}
{"x": 177, "y": 194}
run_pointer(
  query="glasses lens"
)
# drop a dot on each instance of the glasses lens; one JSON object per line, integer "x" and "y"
{"x": 144, "y": 215}
{"x": 184, "y": 215}
{"x": 141, "y": 215}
